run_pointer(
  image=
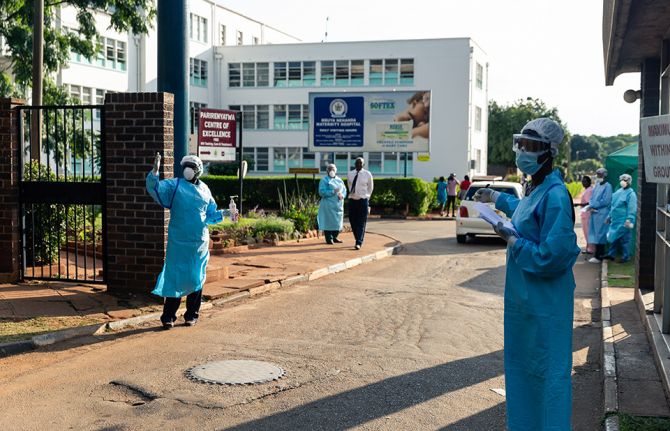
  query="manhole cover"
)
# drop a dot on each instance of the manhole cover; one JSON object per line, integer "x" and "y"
{"x": 235, "y": 372}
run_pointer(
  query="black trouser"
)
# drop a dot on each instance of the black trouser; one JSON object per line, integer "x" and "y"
{"x": 171, "y": 306}
{"x": 358, "y": 218}
{"x": 451, "y": 201}
{"x": 331, "y": 235}
{"x": 600, "y": 251}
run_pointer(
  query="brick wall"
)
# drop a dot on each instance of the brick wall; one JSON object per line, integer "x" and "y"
{"x": 646, "y": 214}
{"x": 10, "y": 252}
{"x": 137, "y": 125}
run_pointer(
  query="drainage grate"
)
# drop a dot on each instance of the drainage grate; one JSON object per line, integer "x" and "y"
{"x": 235, "y": 372}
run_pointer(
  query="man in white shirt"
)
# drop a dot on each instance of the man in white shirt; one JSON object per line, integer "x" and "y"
{"x": 360, "y": 189}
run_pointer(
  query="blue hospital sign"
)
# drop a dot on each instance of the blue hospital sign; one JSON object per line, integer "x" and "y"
{"x": 338, "y": 122}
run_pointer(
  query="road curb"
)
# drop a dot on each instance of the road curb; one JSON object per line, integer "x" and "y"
{"x": 23, "y": 346}
{"x": 610, "y": 388}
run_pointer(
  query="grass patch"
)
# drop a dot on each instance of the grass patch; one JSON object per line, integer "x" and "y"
{"x": 617, "y": 273}
{"x": 23, "y": 329}
{"x": 642, "y": 423}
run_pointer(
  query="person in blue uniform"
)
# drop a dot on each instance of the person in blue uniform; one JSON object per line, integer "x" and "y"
{"x": 539, "y": 285}
{"x": 331, "y": 208}
{"x": 599, "y": 207}
{"x": 621, "y": 219}
{"x": 192, "y": 208}
{"x": 442, "y": 194}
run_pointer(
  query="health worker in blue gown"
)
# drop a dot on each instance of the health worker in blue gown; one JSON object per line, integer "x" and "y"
{"x": 599, "y": 207}
{"x": 539, "y": 285}
{"x": 192, "y": 208}
{"x": 331, "y": 207}
{"x": 621, "y": 219}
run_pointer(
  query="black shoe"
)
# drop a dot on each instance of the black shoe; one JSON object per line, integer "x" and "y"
{"x": 191, "y": 322}
{"x": 329, "y": 242}
{"x": 338, "y": 241}
{"x": 168, "y": 325}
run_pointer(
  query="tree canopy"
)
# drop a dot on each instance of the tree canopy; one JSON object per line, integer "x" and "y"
{"x": 506, "y": 120}
{"x": 16, "y": 25}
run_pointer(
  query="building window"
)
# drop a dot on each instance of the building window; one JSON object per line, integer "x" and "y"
{"x": 262, "y": 159}
{"x": 342, "y": 162}
{"x": 263, "y": 117}
{"x": 479, "y": 76}
{"x": 295, "y": 117}
{"x": 295, "y": 74}
{"x": 249, "y": 153}
{"x": 197, "y": 27}
{"x": 308, "y": 160}
{"x": 374, "y": 163}
{"x": 294, "y": 157}
{"x": 279, "y": 160}
{"x": 478, "y": 118}
{"x": 112, "y": 54}
{"x": 407, "y": 71}
{"x": 248, "y": 116}
{"x": 305, "y": 117}
{"x": 478, "y": 161}
{"x": 255, "y": 40}
{"x": 357, "y": 72}
{"x": 326, "y": 159}
{"x": 248, "y": 75}
{"x": 390, "y": 163}
{"x": 407, "y": 163}
{"x": 376, "y": 72}
{"x": 280, "y": 75}
{"x": 327, "y": 73}
{"x": 342, "y": 72}
{"x": 194, "y": 109}
{"x": 233, "y": 74}
{"x": 308, "y": 73}
{"x": 262, "y": 74}
{"x": 279, "y": 117}
{"x": 240, "y": 38}
{"x": 222, "y": 34}
{"x": 390, "y": 71}
{"x": 198, "y": 72}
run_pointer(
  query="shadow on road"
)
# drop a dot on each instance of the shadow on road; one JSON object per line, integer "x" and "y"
{"x": 376, "y": 400}
{"x": 448, "y": 246}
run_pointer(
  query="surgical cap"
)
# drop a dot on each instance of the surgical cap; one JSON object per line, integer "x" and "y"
{"x": 194, "y": 162}
{"x": 546, "y": 129}
{"x": 601, "y": 171}
{"x": 331, "y": 167}
{"x": 625, "y": 177}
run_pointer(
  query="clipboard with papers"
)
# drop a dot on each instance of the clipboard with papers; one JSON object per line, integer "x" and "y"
{"x": 487, "y": 214}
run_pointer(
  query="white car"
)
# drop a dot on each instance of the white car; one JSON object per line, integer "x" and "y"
{"x": 468, "y": 223}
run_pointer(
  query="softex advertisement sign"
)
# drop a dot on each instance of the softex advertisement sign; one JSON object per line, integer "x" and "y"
{"x": 371, "y": 121}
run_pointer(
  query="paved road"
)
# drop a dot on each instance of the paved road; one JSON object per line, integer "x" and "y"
{"x": 410, "y": 342}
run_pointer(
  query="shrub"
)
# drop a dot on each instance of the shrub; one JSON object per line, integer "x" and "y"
{"x": 574, "y": 188}
{"x": 395, "y": 193}
{"x": 258, "y": 228}
{"x": 513, "y": 178}
{"x": 301, "y": 207}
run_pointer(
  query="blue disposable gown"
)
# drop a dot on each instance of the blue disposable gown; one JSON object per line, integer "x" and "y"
{"x": 192, "y": 208}
{"x": 624, "y": 207}
{"x": 601, "y": 198}
{"x": 539, "y": 294}
{"x": 441, "y": 192}
{"x": 331, "y": 209}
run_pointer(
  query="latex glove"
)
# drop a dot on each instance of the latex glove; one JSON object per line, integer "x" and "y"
{"x": 505, "y": 233}
{"x": 629, "y": 225}
{"x": 608, "y": 220}
{"x": 157, "y": 163}
{"x": 340, "y": 196}
{"x": 486, "y": 195}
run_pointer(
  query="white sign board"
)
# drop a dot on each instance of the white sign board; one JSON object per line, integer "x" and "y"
{"x": 655, "y": 136}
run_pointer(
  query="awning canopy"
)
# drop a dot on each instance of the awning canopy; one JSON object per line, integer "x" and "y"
{"x": 632, "y": 31}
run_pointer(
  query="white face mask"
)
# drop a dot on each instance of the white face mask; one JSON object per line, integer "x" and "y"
{"x": 331, "y": 174}
{"x": 623, "y": 183}
{"x": 189, "y": 174}
{"x": 601, "y": 180}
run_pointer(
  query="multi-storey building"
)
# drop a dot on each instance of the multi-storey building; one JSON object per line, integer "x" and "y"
{"x": 239, "y": 63}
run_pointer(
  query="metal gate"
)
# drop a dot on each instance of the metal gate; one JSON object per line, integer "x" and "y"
{"x": 62, "y": 192}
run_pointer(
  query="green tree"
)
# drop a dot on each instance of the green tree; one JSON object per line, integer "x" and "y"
{"x": 506, "y": 120}
{"x": 584, "y": 147}
{"x": 585, "y": 167}
{"x": 16, "y": 24}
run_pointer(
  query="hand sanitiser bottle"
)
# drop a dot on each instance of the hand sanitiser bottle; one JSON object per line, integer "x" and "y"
{"x": 232, "y": 207}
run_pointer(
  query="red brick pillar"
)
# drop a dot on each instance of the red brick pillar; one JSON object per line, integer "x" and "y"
{"x": 137, "y": 125}
{"x": 10, "y": 246}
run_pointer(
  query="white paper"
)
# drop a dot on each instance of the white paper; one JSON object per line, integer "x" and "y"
{"x": 490, "y": 216}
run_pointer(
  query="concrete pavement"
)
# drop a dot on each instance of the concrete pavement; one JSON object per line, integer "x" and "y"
{"x": 409, "y": 342}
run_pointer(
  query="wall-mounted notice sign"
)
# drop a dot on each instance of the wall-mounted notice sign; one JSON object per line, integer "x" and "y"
{"x": 217, "y": 135}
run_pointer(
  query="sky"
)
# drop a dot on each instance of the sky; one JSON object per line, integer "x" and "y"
{"x": 551, "y": 50}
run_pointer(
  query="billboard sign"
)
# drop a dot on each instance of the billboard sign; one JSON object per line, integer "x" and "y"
{"x": 655, "y": 136}
{"x": 217, "y": 135}
{"x": 370, "y": 121}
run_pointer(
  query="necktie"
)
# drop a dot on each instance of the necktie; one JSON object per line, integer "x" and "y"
{"x": 353, "y": 185}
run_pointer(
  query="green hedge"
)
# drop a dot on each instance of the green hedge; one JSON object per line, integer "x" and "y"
{"x": 398, "y": 194}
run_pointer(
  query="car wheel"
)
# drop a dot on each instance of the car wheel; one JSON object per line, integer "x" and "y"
{"x": 461, "y": 239}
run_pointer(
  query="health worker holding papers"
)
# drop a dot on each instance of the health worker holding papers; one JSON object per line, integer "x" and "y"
{"x": 539, "y": 285}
